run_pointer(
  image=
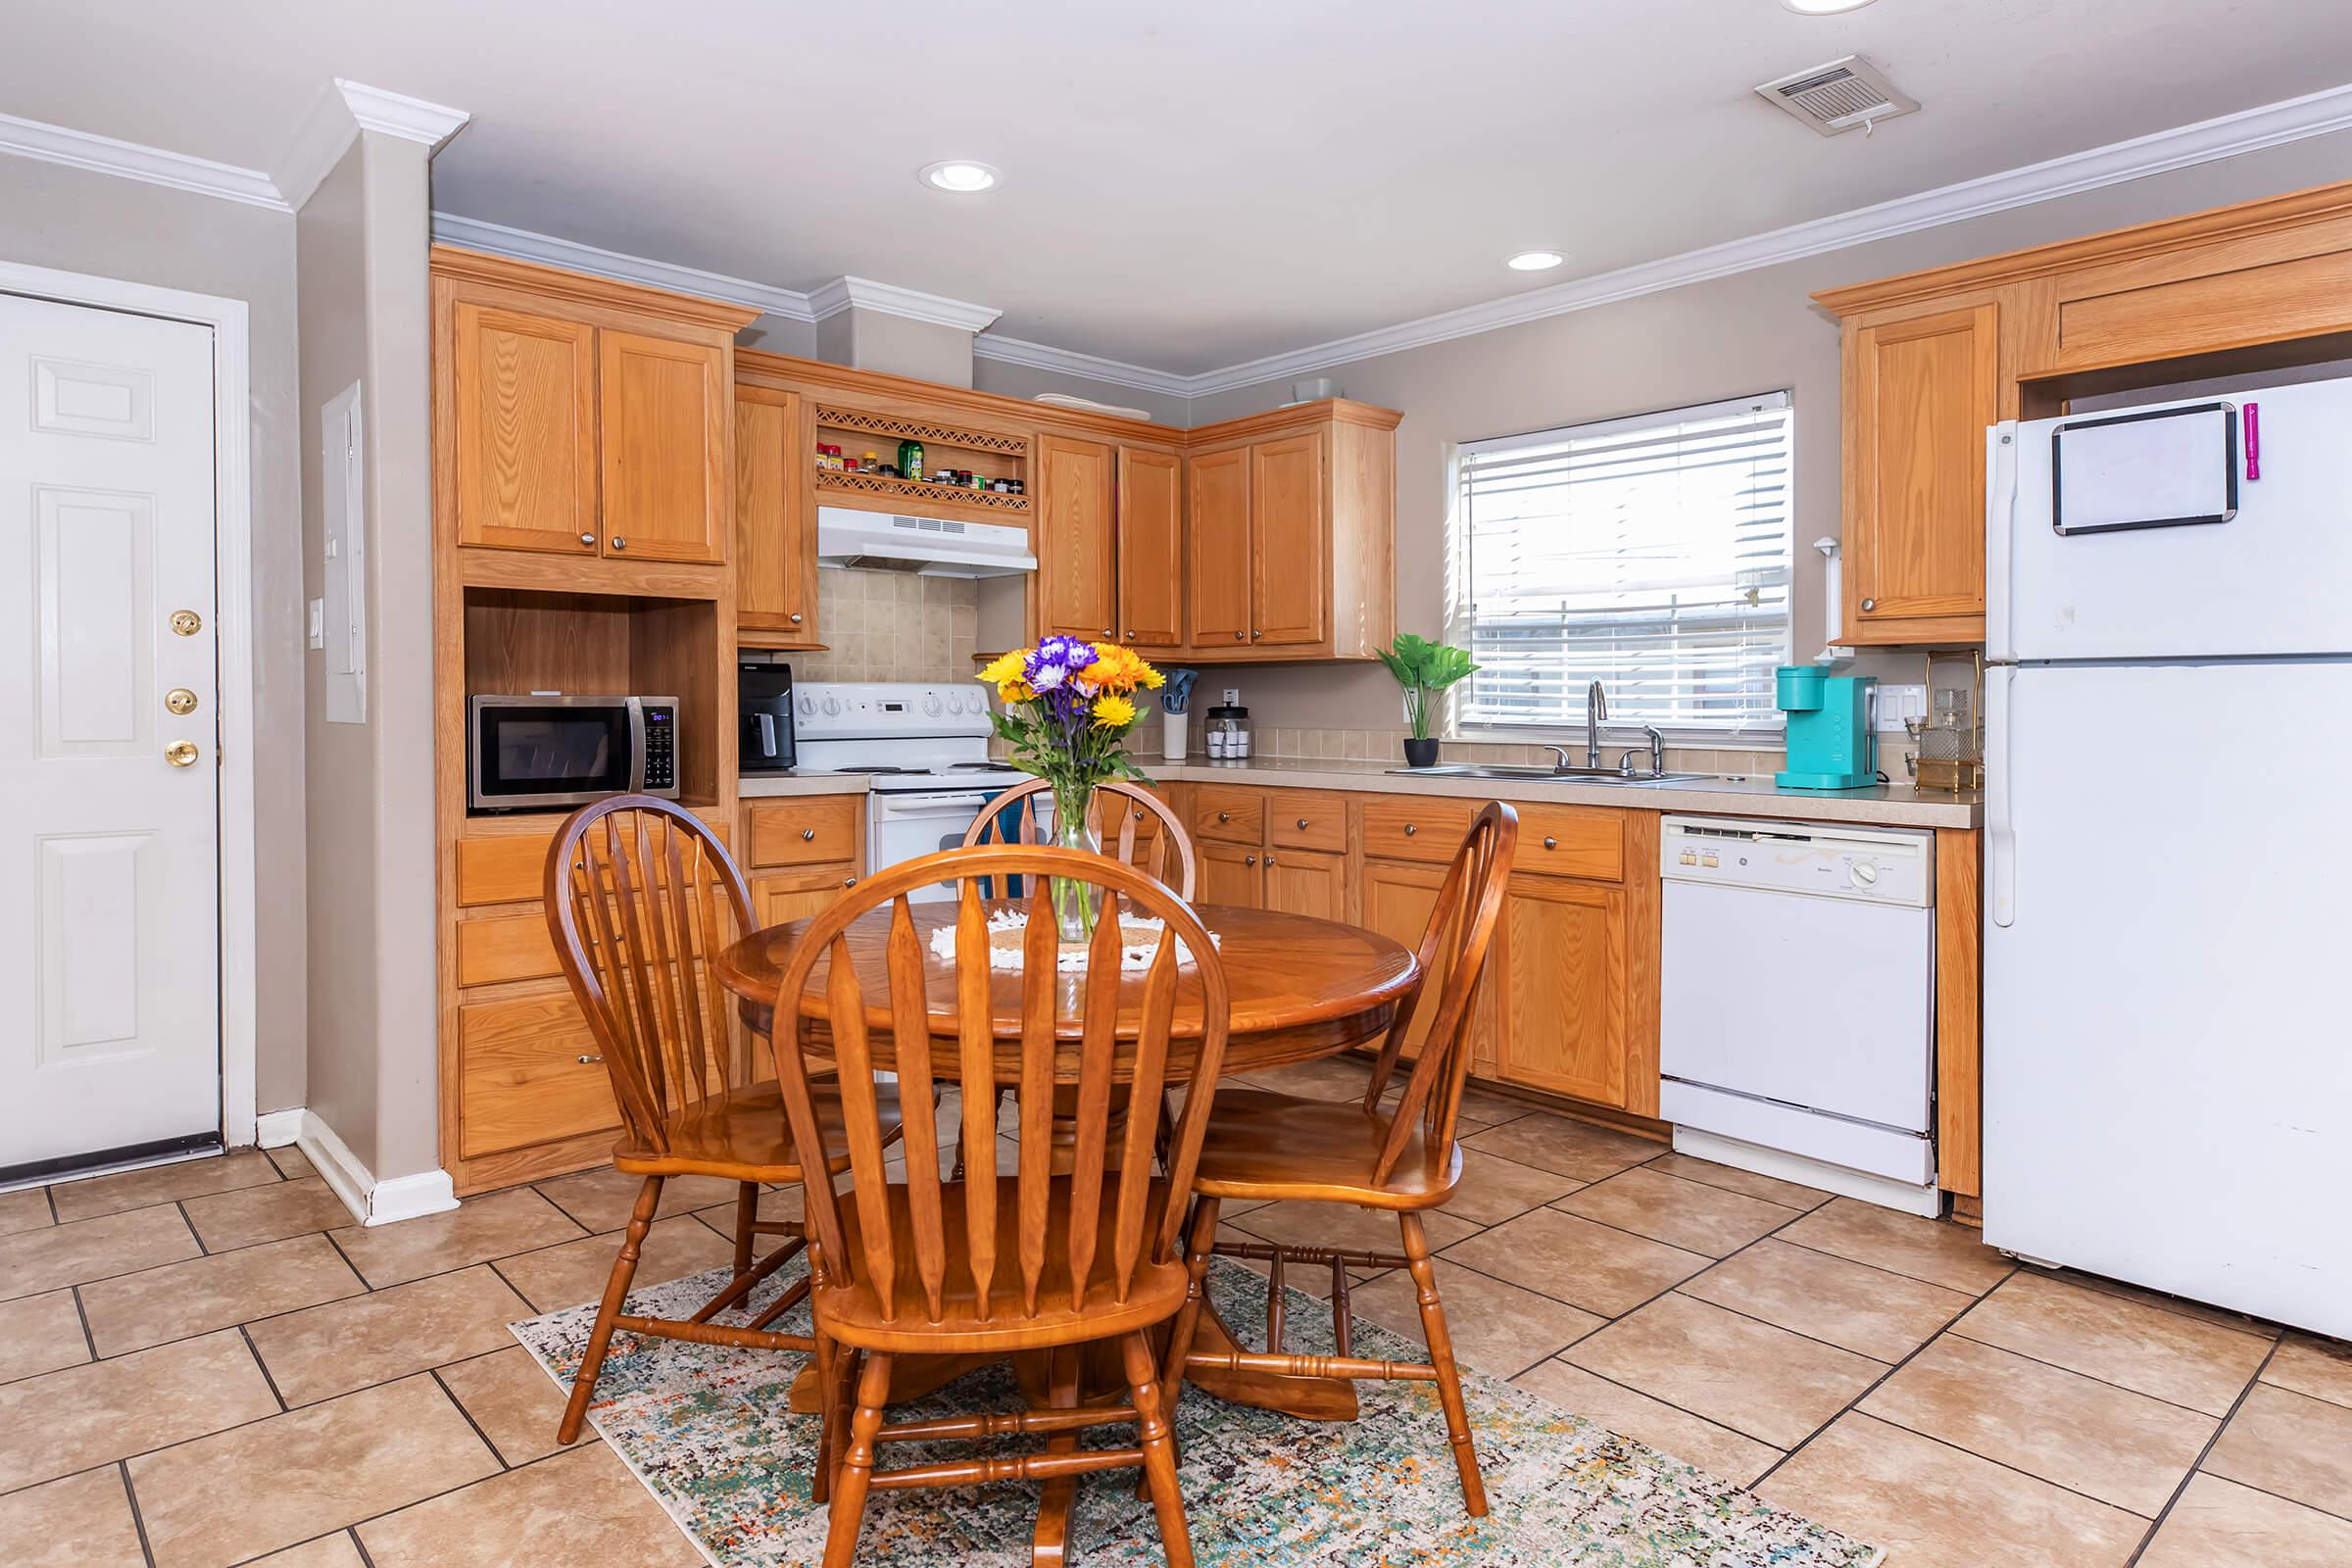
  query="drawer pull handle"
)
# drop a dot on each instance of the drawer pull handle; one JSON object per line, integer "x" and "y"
{"x": 618, "y": 543}
{"x": 1552, "y": 842}
{"x": 806, "y": 834}
{"x": 1303, "y": 821}
{"x": 590, "y": 1062}
{"x": 1224, "y": 817}
{"x": 848, "y": 881}
{"x": 1251, "y": 859}
{"x": 1269, "y": 860}
{"x": 588, "y": 539}
{"x": 1411, "y": 828}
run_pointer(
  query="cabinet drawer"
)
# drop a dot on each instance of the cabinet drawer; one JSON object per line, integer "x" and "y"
{"x": 805, "y": 831}
{"x": 1407, "y": 828}
{"x": 1583, "y": 841}
{"x": 512, "y": 947}
{"x": 520, "y": 1077}
{"x": 1229, "y": 816}
{"x": 1307, "y": 819}
{"x": 512, "y": 866}
{"x": 798, "y": 895}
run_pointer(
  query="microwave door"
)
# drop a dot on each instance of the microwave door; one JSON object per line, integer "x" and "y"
{"x": 550, "y": 754}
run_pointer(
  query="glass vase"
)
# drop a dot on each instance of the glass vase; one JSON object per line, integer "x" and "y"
{"x": 1074, "y": 828}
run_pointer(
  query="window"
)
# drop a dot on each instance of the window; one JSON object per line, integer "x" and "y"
{"x": 1649, "y": 554}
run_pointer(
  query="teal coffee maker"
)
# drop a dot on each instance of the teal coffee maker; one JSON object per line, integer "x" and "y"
{"x": 1830, "y": 744}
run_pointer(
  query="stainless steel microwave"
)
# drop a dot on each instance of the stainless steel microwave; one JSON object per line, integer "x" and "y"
{"x": 538, "y": 750}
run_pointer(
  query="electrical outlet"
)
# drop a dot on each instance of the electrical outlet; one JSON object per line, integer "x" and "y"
{"x": 1896, "y": 703}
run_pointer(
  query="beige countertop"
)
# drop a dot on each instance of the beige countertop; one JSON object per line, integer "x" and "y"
{"x": 1888, "y": 805}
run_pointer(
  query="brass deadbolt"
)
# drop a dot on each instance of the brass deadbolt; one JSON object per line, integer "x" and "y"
{"x": 179, "y": 700}
{"x": 186, "y": 622}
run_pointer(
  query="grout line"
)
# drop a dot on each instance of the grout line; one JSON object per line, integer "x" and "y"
{"x": 2203, "y": 1455}
{"x": 1959, "y": 1333}
{"x": 202, "y": 1250}
{"x": 275, "y": 1393}
{"x": 1918, "y": 1279}
{"x": 451, "y": 1396}
{"x": 1810, "y": 1338}
{"x": 359, "y": 1546}
{"x": 1700, "y": 1181}
{"x": 138, "y": 1521}
{"x": 1659, "y": 1398}
{"x": 88, "y": 1340}
{"x": 50, "y": 1193}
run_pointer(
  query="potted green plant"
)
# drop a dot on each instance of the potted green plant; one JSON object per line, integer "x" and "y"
{"x": 1423, "y": 668}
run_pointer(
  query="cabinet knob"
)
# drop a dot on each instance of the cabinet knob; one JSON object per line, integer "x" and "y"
{"x": 1411, "y": 828}
{"x": 1224, "y": 817}
{"x": 1870, "y": 604}
{"x": 848, "y": 881}
{"x": 1303, "y": 821}
{"x": 1129, "y": 634}
{"x": 1106, "y": 631}
{"x": 1269, "y": 860}
{"x": 618, "y": 543}
{"x": 1552, "y": 842}
{"x": 1255, "y": 635}
{"x": 796, "y": 617}
{"x": 1251, "y": 859}
{"x": 588, "y": 1062}
{"x": 589, "y": 540}
{"x": 806, "y": 834}
{"x": 1238, "y": 635}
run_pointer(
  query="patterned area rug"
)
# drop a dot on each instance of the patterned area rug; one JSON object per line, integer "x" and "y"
{"x": 710, "y": 1432}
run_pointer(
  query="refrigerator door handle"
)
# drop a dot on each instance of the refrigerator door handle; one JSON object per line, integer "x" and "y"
{"x": 2000, "y": 518}
{"x": 2000, "y": 826}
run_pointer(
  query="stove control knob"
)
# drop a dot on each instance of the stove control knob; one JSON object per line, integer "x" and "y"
{"x": 807, "y": 705}
{"x": 931, "y": 705}
{"x": 1863, "y": 873}
{"x": 832, "y": 705}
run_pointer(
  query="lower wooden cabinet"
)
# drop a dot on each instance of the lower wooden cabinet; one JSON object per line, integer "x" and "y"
{"x": 1398, "y": 898}
{"x": 798, "y": 893}
{"x": 1560, "y": 965}
{"x": 1311, "y": 882}
{"x": 1232, "y": 874}
{"x": 529, "y": 1072}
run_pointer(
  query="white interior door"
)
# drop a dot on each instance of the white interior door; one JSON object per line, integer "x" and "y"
{"x": 110, "y": 1033}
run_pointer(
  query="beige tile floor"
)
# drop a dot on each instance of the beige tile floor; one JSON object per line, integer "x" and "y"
{"x": 203, "y": 1364}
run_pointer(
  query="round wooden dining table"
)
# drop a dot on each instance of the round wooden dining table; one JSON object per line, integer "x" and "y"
{"x": 1302, "y": 988}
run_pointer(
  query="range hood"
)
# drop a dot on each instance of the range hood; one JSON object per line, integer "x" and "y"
{"x": 935, "y": 547}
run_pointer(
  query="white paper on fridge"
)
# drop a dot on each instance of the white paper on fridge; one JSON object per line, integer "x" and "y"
{"x": 2166, "y": 469}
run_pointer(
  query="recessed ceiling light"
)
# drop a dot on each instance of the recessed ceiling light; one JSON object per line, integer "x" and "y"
{"x": 1534, "y": 261}
{"x": 961, "y": 175}
{"x": 1823, "y": 8}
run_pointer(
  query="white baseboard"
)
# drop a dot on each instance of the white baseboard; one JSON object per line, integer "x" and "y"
{"x": 275, "y": 1129}
{"x": 371, "y": 1201}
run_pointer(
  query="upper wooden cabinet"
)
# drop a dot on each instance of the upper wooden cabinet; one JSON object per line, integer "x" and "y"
{"x": 1151, "y": 549}
{"x": 1076, "y": 537}
{"x": 775, "y": 545}
{"x": 1291, "y": 534}
{"x": 1919, "y": 393}
{"x": 1932, "y": 358}
{"x": 579, "y": 416}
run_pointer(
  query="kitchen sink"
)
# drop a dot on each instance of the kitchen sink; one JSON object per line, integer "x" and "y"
{"x": 1525, "y": 771}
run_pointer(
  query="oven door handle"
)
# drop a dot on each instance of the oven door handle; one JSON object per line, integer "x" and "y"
{"x": 932, "y": 805}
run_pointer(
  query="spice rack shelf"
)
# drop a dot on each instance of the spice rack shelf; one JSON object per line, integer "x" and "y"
{"x": 989, "y": 502}
{"x": 993, "y": 455}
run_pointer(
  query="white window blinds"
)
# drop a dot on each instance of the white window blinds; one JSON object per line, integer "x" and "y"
{"x": 1649, "y": 554}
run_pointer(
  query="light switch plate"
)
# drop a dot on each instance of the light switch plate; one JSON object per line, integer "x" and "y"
{"x": 318, "y": 623}
{"x": 1896, "y": 703}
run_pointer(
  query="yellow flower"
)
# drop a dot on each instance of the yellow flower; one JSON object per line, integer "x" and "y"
{"x": 1153, "y": 679}
{"x": 1007, "y": 667}
{"x": 1120, "y": 669}
{"x": 1114, "y": 712}
{"x": 1013, "y": 691}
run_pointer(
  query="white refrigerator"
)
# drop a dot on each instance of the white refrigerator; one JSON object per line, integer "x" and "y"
{"x": 2168, "y": 936}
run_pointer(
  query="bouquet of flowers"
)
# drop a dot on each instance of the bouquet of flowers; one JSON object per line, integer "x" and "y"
{"x": 1068, "y": 706}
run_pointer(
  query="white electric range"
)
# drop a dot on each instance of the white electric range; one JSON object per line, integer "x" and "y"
{"x": 924, "y": 751}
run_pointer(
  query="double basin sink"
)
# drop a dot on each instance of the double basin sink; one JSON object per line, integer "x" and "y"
{"x": 1518, "y": 774}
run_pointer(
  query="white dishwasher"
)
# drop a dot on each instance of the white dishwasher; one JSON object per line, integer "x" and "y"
{"x": 1797, "y": 1028}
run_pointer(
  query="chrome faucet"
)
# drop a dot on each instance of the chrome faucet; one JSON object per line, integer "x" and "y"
{"x": 1596, "y": 708}
{"x": 1657, "y": 754}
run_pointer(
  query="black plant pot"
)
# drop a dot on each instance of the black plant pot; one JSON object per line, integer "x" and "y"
{"x": 1420, "y": 754}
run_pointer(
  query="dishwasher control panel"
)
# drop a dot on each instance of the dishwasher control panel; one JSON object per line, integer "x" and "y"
{"x": 1876, "y": 866}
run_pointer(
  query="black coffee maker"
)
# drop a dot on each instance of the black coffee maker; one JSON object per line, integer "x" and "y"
{"x": 763, "y": 696}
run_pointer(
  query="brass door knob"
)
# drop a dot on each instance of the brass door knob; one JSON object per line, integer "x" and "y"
{"x": 181, "y": 753}
{"x": 179, "y": 700}
{"x": 186, "y": 622}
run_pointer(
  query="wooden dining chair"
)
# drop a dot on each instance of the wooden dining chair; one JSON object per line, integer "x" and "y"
{"x": 1264, "y": 1147}
{"x": 1134, "y": 806}
{"x": 641, "y": 900}
{"x": 1001, "y": 1261}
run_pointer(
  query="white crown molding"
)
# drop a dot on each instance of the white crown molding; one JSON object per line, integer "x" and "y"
{"x": 342, "y": 109}
{"x": 888, "y": 299}
{"x": 2225, "y": 136}
{"x": 1090, "y": 367}
{"x": 80, "y": 149}
{"x": 475, "y": 233}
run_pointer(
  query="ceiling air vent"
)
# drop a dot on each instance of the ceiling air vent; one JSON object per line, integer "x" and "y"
{"x": 1839, "y": 96}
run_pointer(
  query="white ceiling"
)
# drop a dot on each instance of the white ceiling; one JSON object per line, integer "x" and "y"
{"x": 1188, "y": 185}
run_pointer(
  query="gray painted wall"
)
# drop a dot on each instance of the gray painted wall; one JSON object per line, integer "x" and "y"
{"x": 1751, "y": 332}
{"x": 1026, "y": 381}
{"x": 79, "y": 221}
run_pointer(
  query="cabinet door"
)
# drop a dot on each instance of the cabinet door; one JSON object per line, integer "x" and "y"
{"x": 525, "y": 437}
{"x": 1919, "y": 396}
{"x": 1399, "y": 898}
{"x": 1290, "y": 558}
{"x": 776, "y": 550}
{"x": 1151, "y": 549}
{"x": 798, "y": 895}
{"x": 1075, "y": 538}
{"x": 1307, "y": 882}
{"x": 1560, "y": 965}
{"x": 1232, "y": 874}
{"x": 1217, "y": 550}
{"x": 667, "y": 489}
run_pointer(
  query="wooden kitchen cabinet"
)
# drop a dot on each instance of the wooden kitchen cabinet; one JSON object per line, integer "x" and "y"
{"x": 524, "y": 430}
{"x": 1233, "y": 874}
{"x": 1398, "y": 898}
{"x": 776, "y": 539}
{"x": 1311, "y": 882}
{"x": 1919, "y": 393}
{"x": 1076, "y": 537}
{"x": 798, "y": 893}
{"x": 1560, "y": 962}
{"x": 1291, "y": 520}
{"x": 1150, "y": 552}
{"x": 668, "y": 489}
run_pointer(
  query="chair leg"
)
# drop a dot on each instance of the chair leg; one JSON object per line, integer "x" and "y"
{"x": 1159, "y": 1452}
{"x": 616, "y": 1290}
{"x": 828, "y": 1418}
{"x": 1188, "y": 1316}
{"x": 848, "y": 1508}
{"x": 747, "y": 1214}
{"x": 1440, "y": 1356}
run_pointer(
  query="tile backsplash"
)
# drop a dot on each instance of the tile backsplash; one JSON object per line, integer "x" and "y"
{"x": 892, "y": 625}
{"x": 1388, "y": 745}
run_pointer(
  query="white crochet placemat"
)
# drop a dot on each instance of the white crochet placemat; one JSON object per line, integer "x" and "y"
{"x": 1139, "y": 942}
